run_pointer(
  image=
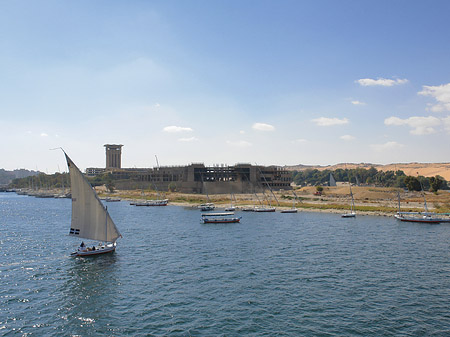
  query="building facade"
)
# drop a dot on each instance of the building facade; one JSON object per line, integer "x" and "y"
{"x": 196, "y": 177}
{"x": 113, "y": 156}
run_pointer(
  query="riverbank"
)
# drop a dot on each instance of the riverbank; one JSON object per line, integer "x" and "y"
{"x": 368, "y": 200}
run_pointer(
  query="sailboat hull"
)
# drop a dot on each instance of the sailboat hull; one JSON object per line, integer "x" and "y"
{"x": 98, "y": 251}
{"x": 294, "y": 210}
{"x": 417, "y": 219}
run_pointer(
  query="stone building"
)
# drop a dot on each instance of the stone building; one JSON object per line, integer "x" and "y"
{"x": 196, "y": 177}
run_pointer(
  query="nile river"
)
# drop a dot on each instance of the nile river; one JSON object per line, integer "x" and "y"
{"x": 273, "y": 274}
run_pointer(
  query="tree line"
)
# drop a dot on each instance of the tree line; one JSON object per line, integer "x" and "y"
{"x": 58, "y": 180}
{"x": 372, "y": 176}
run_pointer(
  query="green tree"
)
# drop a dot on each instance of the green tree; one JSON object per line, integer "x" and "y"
{"x": 412, "y": 183}
{"x": 436, "y": 183}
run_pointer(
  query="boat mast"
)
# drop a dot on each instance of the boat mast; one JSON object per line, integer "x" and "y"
{"x": 260, "y": 172}
{"x": 423, "y": 194}
{"x": 106, "y": 224}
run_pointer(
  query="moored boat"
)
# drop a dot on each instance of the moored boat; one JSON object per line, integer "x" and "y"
{"x": 291, "y": 210}
{"x": 162, "y": 202}
{"x": 207, "y": 207}
{"x": 264, "y": 209}
{"x": 220, "y": 218}
{"x": 418, "y": 217}
{"x": 425, "y": 217}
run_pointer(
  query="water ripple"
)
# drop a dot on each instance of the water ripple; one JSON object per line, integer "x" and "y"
{"x": 306, "y": 274}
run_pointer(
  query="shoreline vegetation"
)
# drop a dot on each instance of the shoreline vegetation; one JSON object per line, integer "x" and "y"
{"x": 369, "y": 200}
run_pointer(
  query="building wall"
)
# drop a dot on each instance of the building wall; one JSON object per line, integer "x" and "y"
{"x": 196, "y": 178}
{"x": 113, "y": 156}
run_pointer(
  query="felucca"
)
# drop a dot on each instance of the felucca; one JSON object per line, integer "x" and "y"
{"x": 90, "y": 218}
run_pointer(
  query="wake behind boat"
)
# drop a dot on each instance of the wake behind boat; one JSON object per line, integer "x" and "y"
{"x": 90, "y": 218}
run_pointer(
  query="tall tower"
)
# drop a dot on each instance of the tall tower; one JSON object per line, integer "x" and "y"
{"x": 113, "y": 156}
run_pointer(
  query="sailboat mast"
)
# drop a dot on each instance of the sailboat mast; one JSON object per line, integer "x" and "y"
{"x": 423, "y": 194}
{"x": 270, "y": 189}
{"x": 106, "y": 224}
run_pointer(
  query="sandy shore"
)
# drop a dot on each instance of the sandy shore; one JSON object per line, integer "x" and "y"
{"x": 368, "y": 200}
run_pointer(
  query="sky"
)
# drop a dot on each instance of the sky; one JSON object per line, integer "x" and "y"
{"x": 224, "y": 82}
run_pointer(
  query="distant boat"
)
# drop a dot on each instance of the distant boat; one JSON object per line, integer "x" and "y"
{"x": 220, "y": 218}
{"x": 231, "y": 208}
{"x": 293, "y": 209}
{"x": 420, "y": 217}
{"x": 352, "y": 213}
{"x": 264, "y": 209}
{"x": 111, "y": 199}
{"x": 90, "y": 218}
{"x": 161, "y": 202}
{"x": 207, "y": 207}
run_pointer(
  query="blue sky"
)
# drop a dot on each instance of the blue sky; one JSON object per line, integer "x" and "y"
{"x": 224, "y": 82}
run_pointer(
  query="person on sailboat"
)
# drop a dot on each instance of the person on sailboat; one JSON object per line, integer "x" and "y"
{"x": 82, "y": 246}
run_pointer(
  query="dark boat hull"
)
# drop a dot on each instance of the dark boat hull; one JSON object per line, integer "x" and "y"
{"x": 233, "y": 220}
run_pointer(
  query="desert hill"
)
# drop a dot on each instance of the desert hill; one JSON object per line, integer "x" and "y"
{"x": 411, "y": 169}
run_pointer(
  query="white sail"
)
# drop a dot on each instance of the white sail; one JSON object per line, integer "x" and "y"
{"x": 90, "y": 219}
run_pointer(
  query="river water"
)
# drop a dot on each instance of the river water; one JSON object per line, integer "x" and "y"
{"x": 273, "y": 274}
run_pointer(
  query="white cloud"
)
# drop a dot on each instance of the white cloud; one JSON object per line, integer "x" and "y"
{"x": 366, "y": 82}
{"x": 301, "y": 141}
{"x": 446, "y": 121}
{"x": 358, "y": 103}
{"x": 441, "y": 93}
{"x": 324, "y": 121}
{"x": 263, "y": 127}
{"x": 419, "y": 125}
{"x": 190, "y": 139}
{"x": 173, "y": 129}
{"x": 239, "y": 143}
{"x": 242, "y": 132}
{"x": 43, "y": 134}
{"x": 386, "y": 146}
{"x": 347, "y": 137}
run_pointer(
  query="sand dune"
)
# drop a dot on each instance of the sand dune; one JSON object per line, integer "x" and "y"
{"x": 424, "y": 169}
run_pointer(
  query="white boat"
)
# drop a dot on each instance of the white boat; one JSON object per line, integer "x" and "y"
{"x": 220, "y": 218}
{"x": 421, "y": 217}
{"x": 264, "y": 209}
{"x": 207, "y": 207}
{"x": 90, "y": 218}
{"x": 161, "y": 202}
{"x": 291, "y": 210}
{"x": 418, "y": 217}
{"x": 352, "y": 213}
{"x": 112, "y": 199}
